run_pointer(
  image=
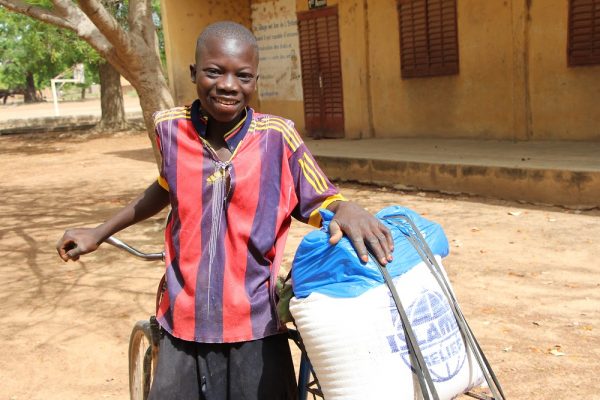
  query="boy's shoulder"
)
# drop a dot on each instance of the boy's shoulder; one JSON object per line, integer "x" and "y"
{"x": 172, "y": 114}
{"x": 276, "y": 126}
{"x": 269, "y": 121}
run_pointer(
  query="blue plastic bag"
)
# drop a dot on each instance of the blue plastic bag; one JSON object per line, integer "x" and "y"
{"x": 338, "y": 272}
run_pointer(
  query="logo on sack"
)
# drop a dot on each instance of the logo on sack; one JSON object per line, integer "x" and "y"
{"x": 437, "y": 334}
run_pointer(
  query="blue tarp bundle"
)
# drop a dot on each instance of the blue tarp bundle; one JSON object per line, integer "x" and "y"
{"x": 338, "y": 272}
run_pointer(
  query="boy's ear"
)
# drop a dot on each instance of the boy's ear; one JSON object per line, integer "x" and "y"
{"x": 193, "y": 72}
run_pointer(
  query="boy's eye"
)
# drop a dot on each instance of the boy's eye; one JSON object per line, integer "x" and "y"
{"x": 211, "y": 72}
{"x": 246, "y": 77}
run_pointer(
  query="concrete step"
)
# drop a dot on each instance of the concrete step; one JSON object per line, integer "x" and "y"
{"x": 57, "y": 124}
{"x": 550, "y": 172}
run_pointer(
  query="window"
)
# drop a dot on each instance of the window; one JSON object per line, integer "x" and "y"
{"x": 584, "y": 32}
{"x": 428, "y": 38}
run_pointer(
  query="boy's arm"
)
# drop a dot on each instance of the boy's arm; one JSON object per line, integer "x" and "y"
{"x": 79, "y": 241}
{"x": 364, "y": 231}
{"x": 314, "y": 191}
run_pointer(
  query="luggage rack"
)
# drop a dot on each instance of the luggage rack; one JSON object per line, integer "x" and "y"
{"x": 306, "y": 385}
{"x": 414, "y": 236}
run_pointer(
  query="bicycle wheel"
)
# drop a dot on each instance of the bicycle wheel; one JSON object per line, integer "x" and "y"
{"x": 143, "y": 351}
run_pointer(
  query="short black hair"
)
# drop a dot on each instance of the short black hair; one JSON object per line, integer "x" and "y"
{"x": 226, "y": 29}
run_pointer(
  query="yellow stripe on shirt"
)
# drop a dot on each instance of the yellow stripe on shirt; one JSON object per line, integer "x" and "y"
{"x": 281, "y": 129}
{"x": 285, "y": 135}
{"x": 287, "y": 130}
{"x": 174, "y": 110}
{"x": 315, "y": 216}
{"x": 308, "y": 166}
{"x": 168, "y": 117}
{"x": 320, "y": 176}
{"x": 177, "y": 112}
{"x": 237, "y": 127}
{"x": 309, "y": 175}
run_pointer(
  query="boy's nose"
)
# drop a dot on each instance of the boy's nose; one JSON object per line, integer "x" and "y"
{"x": 227, "y": 83}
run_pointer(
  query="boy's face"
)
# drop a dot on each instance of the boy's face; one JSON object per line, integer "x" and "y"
{"x": 225, "y": 75}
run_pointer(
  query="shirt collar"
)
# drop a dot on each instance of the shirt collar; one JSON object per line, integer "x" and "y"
{"x": 233, "y": 137}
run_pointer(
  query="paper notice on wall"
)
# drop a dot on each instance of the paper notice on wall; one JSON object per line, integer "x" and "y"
{"x": 275, "y": 26}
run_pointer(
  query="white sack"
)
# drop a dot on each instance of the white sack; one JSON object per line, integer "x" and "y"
{"x": 357, "y": 348}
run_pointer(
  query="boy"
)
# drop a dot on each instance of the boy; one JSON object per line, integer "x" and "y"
{"x": 233, "y": 178}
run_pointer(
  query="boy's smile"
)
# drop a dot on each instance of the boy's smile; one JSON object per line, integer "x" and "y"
{"x": 225, "y": 75}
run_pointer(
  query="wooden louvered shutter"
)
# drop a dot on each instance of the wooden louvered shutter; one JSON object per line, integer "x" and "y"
{"x": 428, "y": 38}
{"x": 584, "y": 32}
{"x": 321, "y": 72}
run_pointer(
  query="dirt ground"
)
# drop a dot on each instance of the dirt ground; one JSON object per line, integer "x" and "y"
{"x": 527, "y": 277}
{"x": 15, "y": 108}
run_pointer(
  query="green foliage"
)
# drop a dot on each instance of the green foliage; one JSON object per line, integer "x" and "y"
{"x": 120, "y": 9}
{"x": 30, "y": 46}
{"x": 157, "y": 19}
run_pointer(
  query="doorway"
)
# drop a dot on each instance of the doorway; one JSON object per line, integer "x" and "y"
{"x": 321, "y": 72}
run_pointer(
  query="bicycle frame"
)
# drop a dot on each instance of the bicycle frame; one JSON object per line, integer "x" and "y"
{"x": 305, "y": 385}
{"x": 144, "y": 256}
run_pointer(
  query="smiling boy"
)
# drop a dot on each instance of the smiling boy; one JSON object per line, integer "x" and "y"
{"x": 233, "y": 178}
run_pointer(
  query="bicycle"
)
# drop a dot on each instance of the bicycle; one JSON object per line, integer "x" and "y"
{"x": 144, "y": 339}
{"x": 144, "y": 343}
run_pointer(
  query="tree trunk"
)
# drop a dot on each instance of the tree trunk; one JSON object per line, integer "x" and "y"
{"x": 111, "y": 99}
{"x": 154, "y": 95}
{"x": 30, "y": 92}
{"x": 132, "y": 52}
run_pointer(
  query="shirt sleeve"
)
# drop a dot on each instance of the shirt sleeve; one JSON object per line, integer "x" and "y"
{"x": 313, "y": 189}
{"x": 162, "y": 181}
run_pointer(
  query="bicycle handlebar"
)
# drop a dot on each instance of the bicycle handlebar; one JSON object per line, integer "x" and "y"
{"x": 124, "y": 246}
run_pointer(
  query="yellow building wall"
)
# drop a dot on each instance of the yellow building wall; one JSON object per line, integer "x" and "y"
{"x": 185, "y": 19}
{"x": 354, "y": 59}
{"x": 353, "y": 53}
{"x": 292, "y": 109}
{"x": 514, "y": 82}
{"x": 475, "y": 103}
{"x": 352, "y": 22}
{"x": 565, "y": 101}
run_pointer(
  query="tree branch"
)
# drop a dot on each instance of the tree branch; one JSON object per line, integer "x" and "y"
{"x": 94, "y": 24}
{"x": 38, "y": 13}
{"x": 140, "y": 13}
{"x": 65, "y": 15}
{"x": 106, "y": 23}
{"x": 85, "y": 29}
{"x": 141, "y": 24}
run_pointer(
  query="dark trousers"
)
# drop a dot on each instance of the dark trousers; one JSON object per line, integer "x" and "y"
{"x": 256, "y": 370}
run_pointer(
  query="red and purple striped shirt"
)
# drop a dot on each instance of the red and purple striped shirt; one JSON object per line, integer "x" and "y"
{"x": 229, "y": 221}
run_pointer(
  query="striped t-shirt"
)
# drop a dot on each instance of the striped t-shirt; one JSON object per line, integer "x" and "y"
{"x": 229, "y": 221}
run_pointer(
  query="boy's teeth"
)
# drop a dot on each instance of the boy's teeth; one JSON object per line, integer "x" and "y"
{"x": 226, "y": 102}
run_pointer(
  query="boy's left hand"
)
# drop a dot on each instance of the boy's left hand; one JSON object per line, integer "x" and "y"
{"x": 365, "y": 231}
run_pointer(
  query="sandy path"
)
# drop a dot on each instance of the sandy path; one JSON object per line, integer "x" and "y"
{"x": 527, "y": 277}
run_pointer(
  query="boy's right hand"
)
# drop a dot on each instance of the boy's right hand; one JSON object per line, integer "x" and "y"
{"x": 76, "y": 242}
{"x": 79, "y": 241}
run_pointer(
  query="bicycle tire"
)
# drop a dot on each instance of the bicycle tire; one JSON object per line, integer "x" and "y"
{"x": 143, "y": 351}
